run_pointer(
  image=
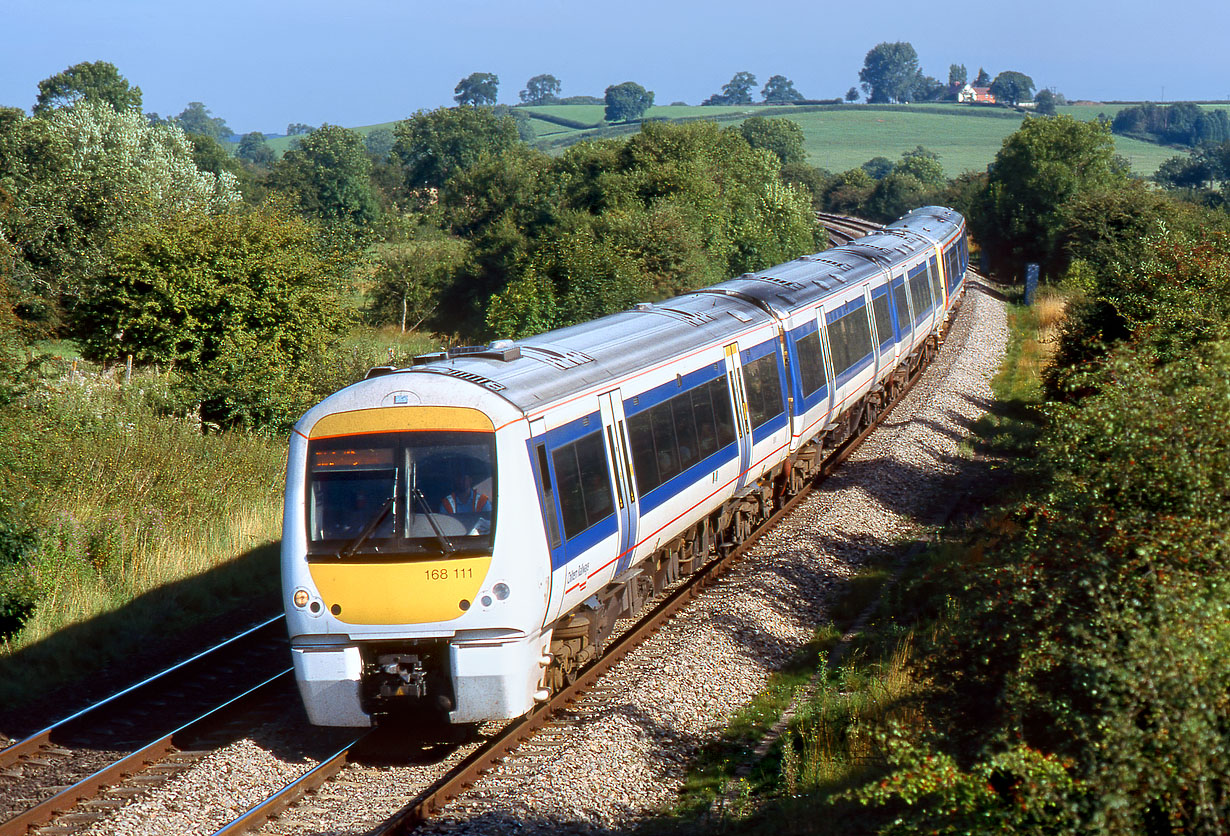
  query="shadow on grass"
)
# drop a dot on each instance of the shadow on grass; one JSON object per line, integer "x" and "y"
{"x": 89, "y": 660}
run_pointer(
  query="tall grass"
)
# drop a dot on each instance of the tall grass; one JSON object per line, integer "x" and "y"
{"x": 109, "y": 501}
{"x": 833, "y": 739}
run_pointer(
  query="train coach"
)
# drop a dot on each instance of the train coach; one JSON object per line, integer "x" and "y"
{"x": 461, "y": 535}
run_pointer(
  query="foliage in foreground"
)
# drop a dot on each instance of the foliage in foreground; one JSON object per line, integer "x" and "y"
{"x": 1086, "y": 675}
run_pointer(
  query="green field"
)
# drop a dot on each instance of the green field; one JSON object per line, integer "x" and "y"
{"x": 843, "y": 137}
{"x": 840, "y": 138}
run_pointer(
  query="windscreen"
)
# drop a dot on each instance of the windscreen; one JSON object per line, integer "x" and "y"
{"x": 401, "y": 494}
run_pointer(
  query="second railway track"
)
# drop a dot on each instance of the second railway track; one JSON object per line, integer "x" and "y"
{"x": 73, "y": 772}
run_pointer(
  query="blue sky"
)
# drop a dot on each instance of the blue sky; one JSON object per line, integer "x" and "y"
{"x": 264, "y": 63}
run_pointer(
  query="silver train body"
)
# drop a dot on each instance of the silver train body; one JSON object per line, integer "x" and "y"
{"x": 458, "y": 532}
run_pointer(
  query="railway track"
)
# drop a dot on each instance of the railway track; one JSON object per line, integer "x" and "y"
{"x": 502, "y": 744}
{"x": 844, "y": 229}
{"x": 74, "y": 772}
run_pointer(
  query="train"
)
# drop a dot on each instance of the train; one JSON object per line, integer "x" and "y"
{"x": 461, "y": 535}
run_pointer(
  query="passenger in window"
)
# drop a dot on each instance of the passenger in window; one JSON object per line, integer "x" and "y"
{"x": 707, "y": 443}
{"x": 597, "y": 496}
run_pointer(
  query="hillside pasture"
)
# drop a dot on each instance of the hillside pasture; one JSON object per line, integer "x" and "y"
{"x": 840, "y": 137}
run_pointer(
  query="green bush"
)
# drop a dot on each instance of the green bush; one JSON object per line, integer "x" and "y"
{"x": 240, "y": 304}
{"x": 1095, "y": 620}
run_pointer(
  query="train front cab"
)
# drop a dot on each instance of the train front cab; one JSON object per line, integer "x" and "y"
{"x": 398, "y": 599}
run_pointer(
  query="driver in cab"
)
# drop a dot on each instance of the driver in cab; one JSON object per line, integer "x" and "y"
{"x": 465, "y": 498}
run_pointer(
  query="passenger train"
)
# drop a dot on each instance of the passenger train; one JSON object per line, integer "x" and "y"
{"x": 461, "y": 535}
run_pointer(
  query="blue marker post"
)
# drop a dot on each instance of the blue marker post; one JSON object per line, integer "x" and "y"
{"x": 1031, "y": 282}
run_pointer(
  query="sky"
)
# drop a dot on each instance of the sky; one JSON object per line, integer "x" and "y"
{"x": 263, "y": 64}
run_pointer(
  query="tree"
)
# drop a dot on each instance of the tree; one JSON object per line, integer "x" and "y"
{"x": 541, "y": 90}
{"x": 893, "y": 196}
{"x": 957, "y": 75}
{"x": 241, "y": 303}
{"x": 1044, "y": 103}
{"x": 1012, "y": 87}
{"x": 878, "y": 168}
{"x": 779, "y": 89}
{"x": 433, "y": 145}
{"x": 330, "y": 173}
{"x": 379, "y": 144}
{"x": 781, "y": 136}
{"x": 477, "y": 89}
{"x": 736, "y": 91}
{"x": 890, "y": 73}
{"x": 1042, "y": 166}
{"x": 78, "y": 177}
{"x": 627, "y": 101}
{"x": 410, "y": 278}
{"x": 852, "y": 95}
{"x": 923, "y": 165}
{"x": 253, "y": 149}
{"x": 983, "y": 79}
{"x": 929, "y": 89}
{"x": 97, "y": 81}
{"x": 298, "y": 128}
{"x": 739, "y": 89}
{"x": 1190, "y": 172}
{"x": 196, "y": 119}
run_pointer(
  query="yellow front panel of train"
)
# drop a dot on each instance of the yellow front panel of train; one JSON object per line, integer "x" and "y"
{"x": 400, "y": 593}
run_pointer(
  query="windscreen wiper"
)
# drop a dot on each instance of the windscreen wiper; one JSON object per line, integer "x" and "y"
{"x": 354, "y": 544}
{"x": 445, "y": 545}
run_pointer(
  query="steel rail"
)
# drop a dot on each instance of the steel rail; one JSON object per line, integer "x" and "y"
{"x": 151, "y": 753}
{"x": 292, "y": 792}
{"x": 28, "y": 745}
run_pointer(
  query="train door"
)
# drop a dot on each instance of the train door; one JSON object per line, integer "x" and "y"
{"x": 548, "y": 499}
{"x": 743, "y": 430}
{"x": 615, "y": 429}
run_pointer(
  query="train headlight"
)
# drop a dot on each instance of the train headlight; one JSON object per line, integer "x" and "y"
{"x": 500, "y": 590}
{"x": 301, "y": 598}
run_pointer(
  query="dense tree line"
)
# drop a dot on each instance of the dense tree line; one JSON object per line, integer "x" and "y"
{"x": 1183, "y": 123}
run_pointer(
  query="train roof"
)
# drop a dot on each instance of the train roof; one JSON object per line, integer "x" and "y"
{"x": 551, "y": 366}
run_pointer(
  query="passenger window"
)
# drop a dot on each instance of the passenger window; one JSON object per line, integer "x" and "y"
{"x": 937, "y": 292}
{"x": 685, "y": 430}
{"x": 664, "y": 440}
{"x": 584, "y": 483}
{"x": 884, "y": 320}
{"x": 850, "y": 339}
{"x": 764, "y": 389}
{"x": 706, "y": 426}
{"x": 548, "y": 496}
{"x": 902, "y": 305}
{"x": 920, "y": 293}
{"x": 644, "y": 457}
{"x": 719, "y": 392}
{"x": 811, "y": 363}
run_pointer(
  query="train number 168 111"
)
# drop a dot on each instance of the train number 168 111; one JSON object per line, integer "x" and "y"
{"x": 443, "y": 574}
